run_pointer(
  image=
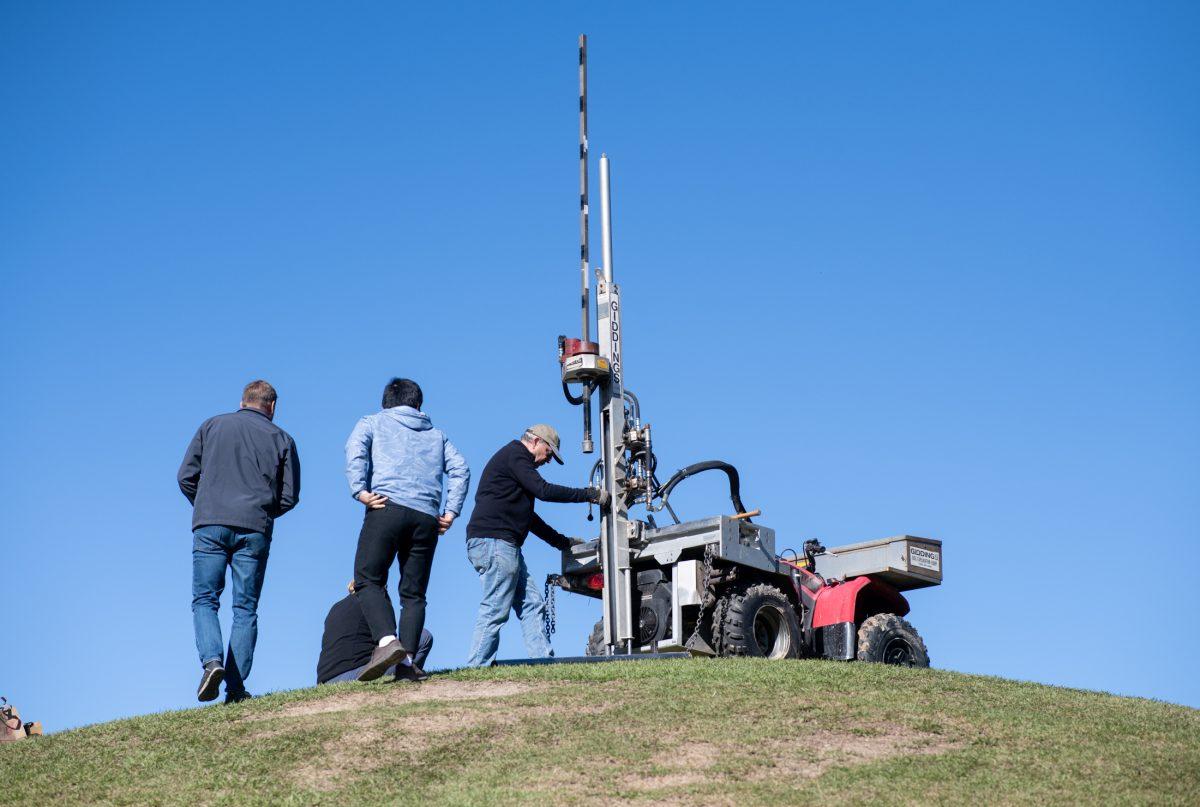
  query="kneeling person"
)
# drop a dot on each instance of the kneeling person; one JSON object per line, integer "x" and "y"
{"x": 347, "y": 645}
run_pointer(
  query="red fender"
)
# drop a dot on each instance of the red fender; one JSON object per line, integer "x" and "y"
{"x": 855, "y": 599}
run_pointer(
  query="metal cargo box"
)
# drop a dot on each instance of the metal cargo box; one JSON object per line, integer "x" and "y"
{"x": 905, "y": 561}
{"x": 735, "y": 541}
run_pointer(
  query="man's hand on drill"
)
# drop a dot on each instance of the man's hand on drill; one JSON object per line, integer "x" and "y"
{"x": 601, "y": 496}
{"x": 373, "y": 501}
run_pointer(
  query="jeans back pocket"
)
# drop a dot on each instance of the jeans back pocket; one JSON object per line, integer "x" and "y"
{"x": 479, "y": 552}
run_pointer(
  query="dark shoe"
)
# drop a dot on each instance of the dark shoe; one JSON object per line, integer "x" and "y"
{"x": 210, "y": 681}
{"x": 411, "y": 672}
{"x": 237, "y": 697}
{"x": 381, "y": 659}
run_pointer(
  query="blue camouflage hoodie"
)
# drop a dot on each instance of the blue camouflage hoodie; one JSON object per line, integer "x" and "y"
{"x": 399, "y": 454}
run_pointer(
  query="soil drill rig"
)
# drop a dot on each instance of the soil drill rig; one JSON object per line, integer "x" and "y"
{"x": 715, "y": 586}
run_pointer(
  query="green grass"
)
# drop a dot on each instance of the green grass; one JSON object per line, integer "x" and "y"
{"x": 686, "y": 732}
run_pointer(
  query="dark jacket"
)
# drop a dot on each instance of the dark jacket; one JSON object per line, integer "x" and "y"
{"x": 346, "y": 643}
{"x": 504, "y": 501}
{"x": 240, "y": 470}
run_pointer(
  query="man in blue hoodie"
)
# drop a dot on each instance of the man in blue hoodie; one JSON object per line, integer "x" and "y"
{"x": 397, "y": 464}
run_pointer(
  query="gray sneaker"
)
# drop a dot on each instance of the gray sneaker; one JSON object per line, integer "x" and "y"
{"x": 210, "y": 681}
{"x": 381, "y": 659}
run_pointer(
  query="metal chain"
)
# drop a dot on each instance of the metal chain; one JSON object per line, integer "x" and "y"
{"x": 708, "y": 567}
{"x": 549, "y": 618}
{"x": 722, "y": 611}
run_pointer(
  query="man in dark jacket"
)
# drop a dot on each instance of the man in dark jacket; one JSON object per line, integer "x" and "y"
{"x": 240, "y": 472}
{"x": 503, "y": 516}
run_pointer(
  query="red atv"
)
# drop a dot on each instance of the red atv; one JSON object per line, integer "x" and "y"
{"x": 716, "y": 587}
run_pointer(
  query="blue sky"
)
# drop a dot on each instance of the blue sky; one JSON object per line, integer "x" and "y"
{"x": 925, "y": 268}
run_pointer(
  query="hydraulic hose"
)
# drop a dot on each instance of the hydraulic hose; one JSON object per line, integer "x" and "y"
{"x": 735, "y": 483}
{"x": 571, "y": 398}
{"x": 637, "y": 406}
{"x": 657, "y": 487}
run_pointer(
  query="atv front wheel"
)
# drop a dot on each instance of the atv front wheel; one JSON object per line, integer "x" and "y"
{"x": 760, "y": 622}
{"x": 888, "y": 639}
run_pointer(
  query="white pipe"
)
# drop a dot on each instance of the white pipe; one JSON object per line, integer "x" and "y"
{"x": 606, "y": 219}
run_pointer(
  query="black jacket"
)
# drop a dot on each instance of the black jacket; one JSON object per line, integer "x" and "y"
{"x": 240, "y": 470}
{"x": 504, "y": 500}
{"x": 346, "y": 642}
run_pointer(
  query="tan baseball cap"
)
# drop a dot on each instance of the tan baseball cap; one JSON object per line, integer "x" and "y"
{"x": 548, "y": 433}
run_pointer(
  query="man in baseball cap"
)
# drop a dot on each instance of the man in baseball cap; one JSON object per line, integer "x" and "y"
{"x": 548, "y": 435}
{"x": 503, "y": 516}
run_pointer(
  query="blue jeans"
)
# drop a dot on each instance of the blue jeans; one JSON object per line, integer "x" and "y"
{"x": 245, "y": 552}
{"x": 507, "y": 586}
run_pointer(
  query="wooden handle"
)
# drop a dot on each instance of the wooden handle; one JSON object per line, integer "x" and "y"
{"x": 750, "y": 514}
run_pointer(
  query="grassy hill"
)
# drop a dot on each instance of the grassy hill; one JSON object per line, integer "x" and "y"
{"x": 684, "y": 732}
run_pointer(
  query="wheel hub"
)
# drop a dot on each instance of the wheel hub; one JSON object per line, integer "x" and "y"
{"x": 769, "y": 635}
{"x": 897, "y": 651}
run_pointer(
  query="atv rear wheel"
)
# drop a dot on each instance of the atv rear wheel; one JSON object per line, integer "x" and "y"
{"x": 760, "y": 622}
{"x": 888, "y": 639}
{"x": 595, "y": 642}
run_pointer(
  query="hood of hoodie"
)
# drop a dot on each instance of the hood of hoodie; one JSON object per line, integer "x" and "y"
{"x": 416, "y": 420}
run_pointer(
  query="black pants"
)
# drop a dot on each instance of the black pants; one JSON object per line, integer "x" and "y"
{"x": 390, "y": 532}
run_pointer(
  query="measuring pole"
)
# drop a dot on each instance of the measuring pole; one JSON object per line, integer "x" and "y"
{"x": 587, "y": 445}
{"x": 585, "y": 335}
{"x": 615, "y": 523}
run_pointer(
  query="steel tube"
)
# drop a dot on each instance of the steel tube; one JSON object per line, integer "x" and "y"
{"x": 588, "y": 446}
{"x": 606, "y": 218}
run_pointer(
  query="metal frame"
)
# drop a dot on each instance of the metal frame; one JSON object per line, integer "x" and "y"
{"x": 734, "y": 541}
{"x": 614, "y": 522}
